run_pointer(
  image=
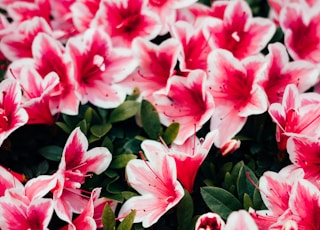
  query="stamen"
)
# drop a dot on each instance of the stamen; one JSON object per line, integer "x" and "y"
{"x": 254, "y": 184}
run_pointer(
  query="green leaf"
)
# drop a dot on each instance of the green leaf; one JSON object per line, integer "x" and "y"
{"x": 220, "y": 201}
{"x": 108, "y": 218}
{"x": 127, "y": 194}
{"x": 107, "y": 143}
{"x": 83, "y": 126}
{"x": 64, "y": 127}
{"x": 127, "y": 223}
{"x": 100, "y": 130}
{"x": 124, "y": 111}
{"x": 228, "y": 181}
{"x": 247, "y": 201}
{"x": 91, "y": 116}
{"x": 150, "y": 120}
{"x": 244, "y": 185}
{"x": 258, "y": 204}
{"x": 71, "y": 121}
{"x": 120, "y": 161}
{"x": 185, "y": 211}
{"x": 51, "y": 152}
{"x": 171, "y": 133}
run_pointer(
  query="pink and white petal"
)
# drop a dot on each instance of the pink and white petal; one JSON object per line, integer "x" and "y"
{"x": 257, "y": 104}
{"x": 278, "y": 115}
{"x": 39, "y": 213}
{"x": 240, "y": 220}
{"x": 8, "y": 181}
{"x": 275, "y": 192}
{"x": 228, "y": 123}
{"x": 236, "y": 14}
{"x": 13, "y": 214}
{"x": 210, "y": 220}
{"x": 74, "y": 150}
{"x": 96, "y": 160}
{"x": 38, "y": 187}
{"x": 18, "y": 44}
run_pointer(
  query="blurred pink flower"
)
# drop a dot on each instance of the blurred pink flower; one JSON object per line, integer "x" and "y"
{"x": 12, "y": 115}
{"x": 125, "y": 20}
{"x": 209, "y": 221}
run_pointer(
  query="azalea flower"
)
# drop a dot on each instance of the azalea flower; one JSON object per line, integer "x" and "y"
{"x": 23, "y": 207}
{"x": 125, "y": 20}
{"x": 240, "y": 220}
{"x": 156, "y": 65}
{"x": 12, "y": 115}
{"x": 299, "y": 24}
{"x": 298, "y": 115}
{"x": 209, "y": 220}
{"x": 36, "y": 94}
{"x": 49, "y": 56}
{"x": 281, "y": 72}
{"x": 99, "y": 67}
{"x": 156, "y": 180}
{"x": 187, "y": 102}
{"x": 195, "y": 47}
{"x": 190, "y": 156}
{"x": 236, "y": 92}
{"x": 240, "y": 32}
{"x": 17, "y": 44}
{"x": 304, "y": 153}
{"x": 76, "y": 163}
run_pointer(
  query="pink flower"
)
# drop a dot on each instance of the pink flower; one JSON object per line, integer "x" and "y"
{"x": 281, "y": 72}
{"x": 230, "y": 146}
{"x": 17, "y": 44}
{"x": 125, "y": 20}
{"x": 99, "y": 67}
{"x": 49, "y": 56}
{"x": 12, "y": 115}
{"x": 166, "y": 9}
{"x": 300, "y": 26}
{"x": 156, "y": 65}
{"x": 83, "y": 12}
{"x": 240, "y": 220}
{"x": 36, "y": 94}
{"x": 209, "y": 220}
{"x": 74, "y": 167}
{"x": 185, "y": 101}
{"x": 237, "y": 95}
{"x": 304, "y": 153}
{"x": 298, "y": 115}
{"x": 156, "y": 181}
{"x": 239, "y": 32}
{"x": 8, "y": 181}
{"x": 190, "y": 155}
{"x": 195, "y": 47}
{"x": 24, "y": 10}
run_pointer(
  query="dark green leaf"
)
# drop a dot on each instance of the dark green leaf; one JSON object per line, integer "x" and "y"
{"x": 108, "y": 218}
{"x": 244, "y": 185}
{"x": 83, "y": 126}
{"x": 107, "y": 143}
{"x": 150, "y": 120}
{"x": 127, "y": 223}
{"x": 185, "y": 212}
{"x": 91, "y": 116}
{"x": 220, "y": 201}
{"x": 51, "y": 152}
{"x": 124, "y": 111}
{"x": 127, "y": 194}
{"x": 171, "y": 133}
{"x": 100, "y": 130}
{"x": 120, "y": 161}
{"x": 64, "y": 127}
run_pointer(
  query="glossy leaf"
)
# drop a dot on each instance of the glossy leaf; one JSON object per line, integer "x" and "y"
{"x": 128, "y": 221}
{"x": 120, "y": 161}
{"x": 51, "y": 152}
{"x": 150, "y": 120}
{"x": 108, "y": 218}
{"x": 220, "y": 201}
{"x": 171, "y": 133}
{"x": 247, "y": 201}
{"x": 124, "y": 111}
{"x": 101, "y": 129}
{"x": 185, "y": 211}
{"x": 244, "y": 184}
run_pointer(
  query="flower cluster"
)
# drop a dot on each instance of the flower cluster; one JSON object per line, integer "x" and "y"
{"x": 186, "y": 79}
